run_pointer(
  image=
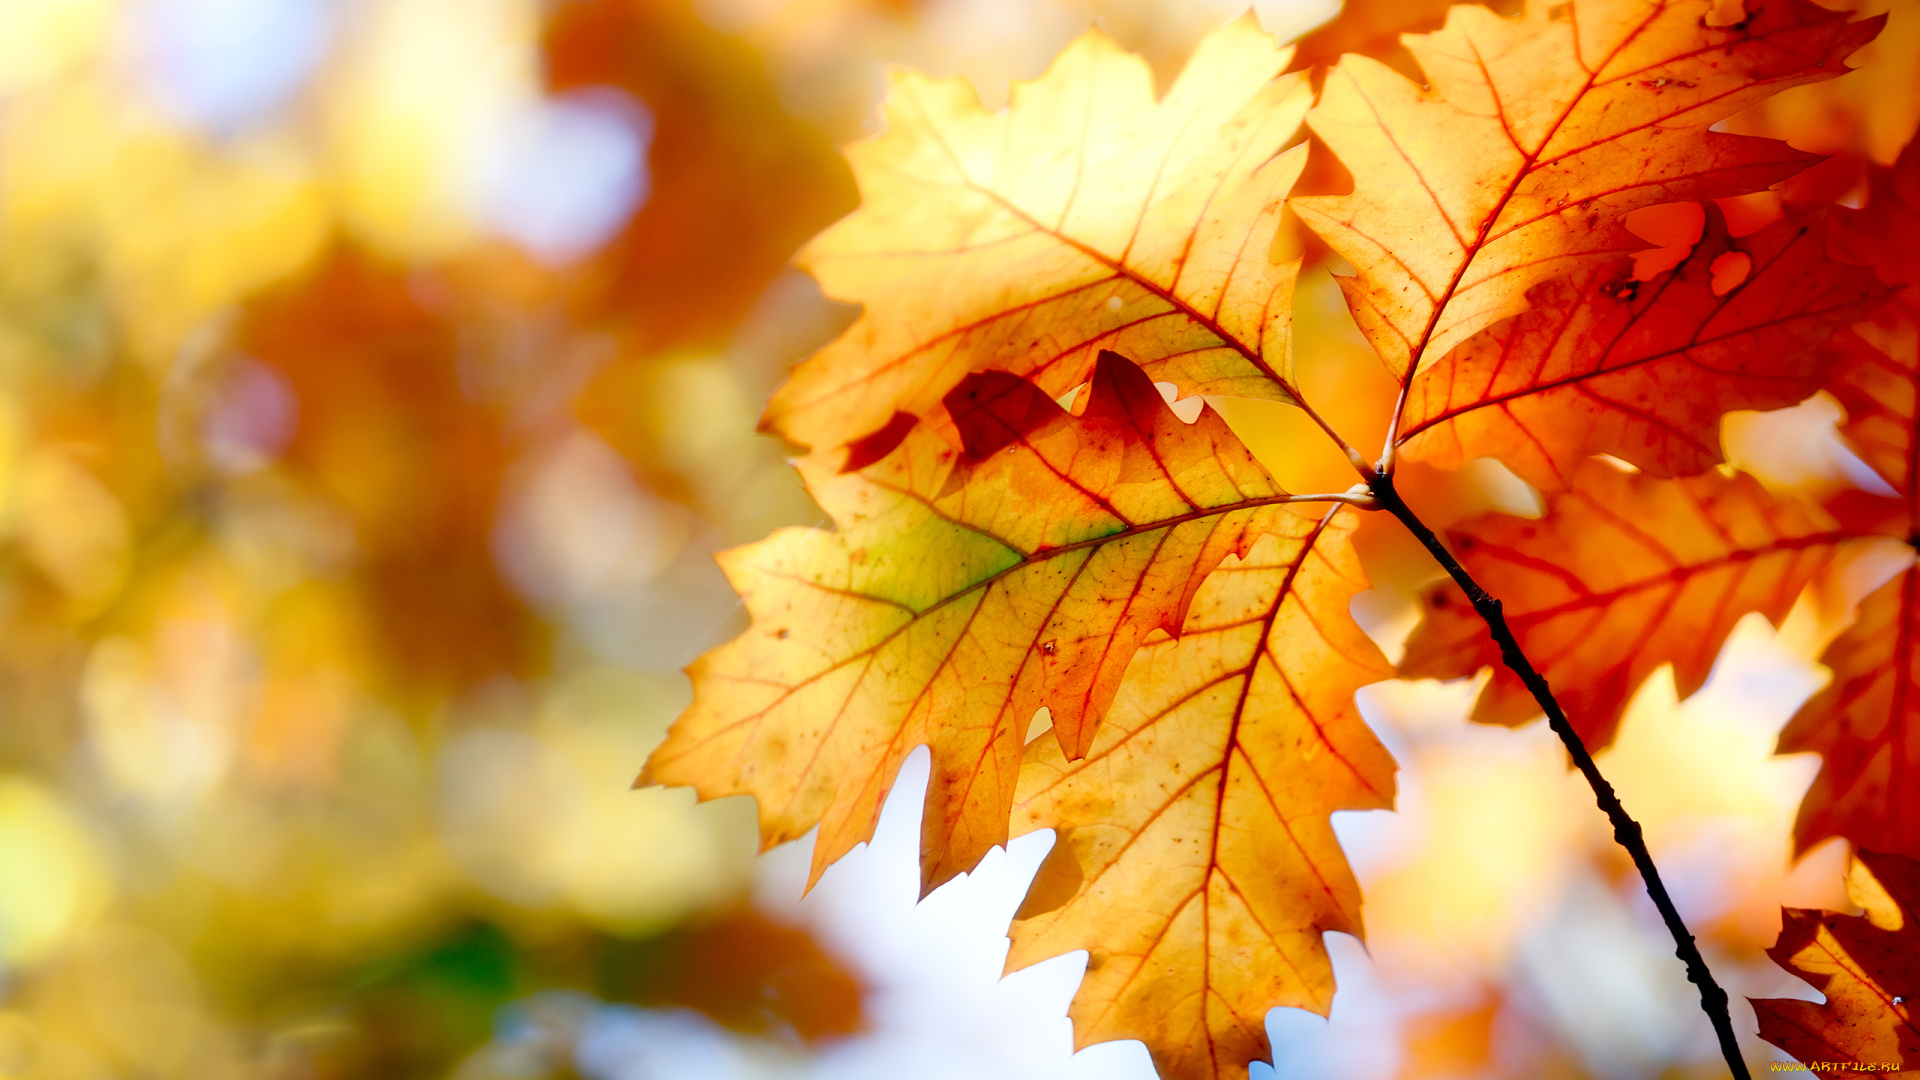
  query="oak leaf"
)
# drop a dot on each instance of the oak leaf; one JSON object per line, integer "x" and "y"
{"x": 961, "y": 590}
{"x": 993, "y": 555}
{"x": 1534, "y": 138}
{"x": 1867, "y": 965}
{"x": 1086, "y": 216}
{"x": 1624, "y": 574}
{"x": 1866, "y": 723}
{"x": 1605, "y": 364}
{"x": 1874, "y": 374}
{"x": 1864, "y": 727}
{"x": 1886, "y": 233}
{"x": 1194, "y": 858}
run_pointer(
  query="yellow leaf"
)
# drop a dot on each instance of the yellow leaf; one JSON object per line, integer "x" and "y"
{"x": 960, "y": 592}
{"x": 1084, "y": 217}
{"x": 1195, "y": 860}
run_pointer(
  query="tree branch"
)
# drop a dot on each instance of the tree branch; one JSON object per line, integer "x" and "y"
{"x": 1626, "y": 831}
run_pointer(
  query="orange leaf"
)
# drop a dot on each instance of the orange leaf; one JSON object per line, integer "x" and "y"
{"x": 1866, "y": 723}
{"x": 1887, "y": 232}
{"x": 1866, "y": 727}
{"x": 1195, "y": 860}
{"x": 1085, "y": 216}
{"x": 960, "y": 592}
{"x": 1641, "y": 370}
{"x": 1876, "y": 376}
{"x": 1624, "y": 574}
{"x": 1534, "y": 139}
{"x": 1868, "y": 966}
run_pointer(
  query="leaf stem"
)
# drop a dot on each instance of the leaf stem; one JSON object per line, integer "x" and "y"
{"x": 1389, "y": 451}
{"x": 1626, "y": 831}
{"x": 1358, "y": 459}
{"x": 1360, "y": 497}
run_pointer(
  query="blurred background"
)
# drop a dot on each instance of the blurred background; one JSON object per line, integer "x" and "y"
{"x": 377, "y": 378}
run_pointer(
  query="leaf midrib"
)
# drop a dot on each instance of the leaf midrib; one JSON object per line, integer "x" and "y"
{"x": 1529, "y": 161}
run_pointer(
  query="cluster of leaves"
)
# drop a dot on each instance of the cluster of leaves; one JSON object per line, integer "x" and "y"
{"x": 1030, "y": 513}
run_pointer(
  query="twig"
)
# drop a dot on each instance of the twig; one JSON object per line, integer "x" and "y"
{"x": 1626, "y": 831}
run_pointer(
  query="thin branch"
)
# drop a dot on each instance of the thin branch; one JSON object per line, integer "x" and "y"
{"x": 1626, "y": 831}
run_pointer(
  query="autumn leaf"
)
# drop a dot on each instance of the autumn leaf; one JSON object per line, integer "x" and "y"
{"x": 1624, "y": 574}
{"x": 1604, "y": 364}
{"x": 993, "y": 554}
{"x": 962, "y": 590}
{"x": 1866, "y": 723}
{"x": 1863, "y": 727}
{"x": 1875, "y": 372}
{"x": 1867, "y": 965}
{"x": 1533, "y": 139}
{"x": 1886, "y": 232}
{"x": 1195, "y": 859}
{"x": 1084, "y": 217}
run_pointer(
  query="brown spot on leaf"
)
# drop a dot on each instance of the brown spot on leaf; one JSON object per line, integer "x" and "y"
{"x": 865, "y": 451}
{"x": 1058, "y": 881}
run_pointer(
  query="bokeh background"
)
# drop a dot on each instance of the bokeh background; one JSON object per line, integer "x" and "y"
{"x": 377, "y": 378}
